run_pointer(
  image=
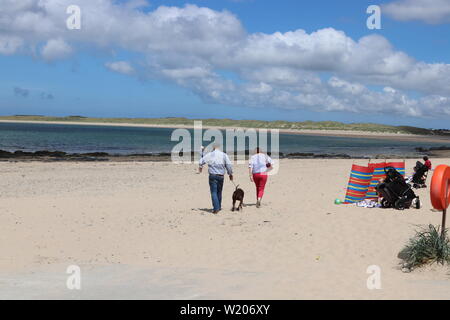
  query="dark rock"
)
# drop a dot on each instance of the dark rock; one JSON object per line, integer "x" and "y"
{"x": 20, "y": 153}
{"x": 5, "y": 154}
{"x": 92, "y": 159}
{"x": 45, "y": 153}
{"x": 95, "y": 154}
{"x": 332, "y": 156}
{"x": 442, "y": 148}
{"x": 300, "y": 155}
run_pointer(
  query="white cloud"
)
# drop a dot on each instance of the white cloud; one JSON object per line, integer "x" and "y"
{"x": 186, "y": 73}
{"x": 429, "y": 11}
{"x": 123, "y": 67}
{"x": 55, "y": 49}
{"x": 10, "y": 44}
{"x": 260, "y": 88}
{"x": 198, "y": 48}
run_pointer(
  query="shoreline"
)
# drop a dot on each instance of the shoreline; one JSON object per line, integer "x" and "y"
{"x": 60, "y": 156}
{"x": 326, "y": 132}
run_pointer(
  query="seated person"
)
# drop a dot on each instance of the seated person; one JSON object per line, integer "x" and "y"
{"x": 427, "y": 163}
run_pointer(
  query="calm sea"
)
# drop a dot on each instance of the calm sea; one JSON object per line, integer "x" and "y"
{"x": 132, "y": 140}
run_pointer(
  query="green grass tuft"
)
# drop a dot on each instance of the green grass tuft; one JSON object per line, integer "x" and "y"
{"x": 426, "y": 247}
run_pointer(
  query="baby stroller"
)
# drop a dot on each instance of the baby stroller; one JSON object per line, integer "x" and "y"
{"x": 419, "y": 178}
{"x": 396, "y": 193}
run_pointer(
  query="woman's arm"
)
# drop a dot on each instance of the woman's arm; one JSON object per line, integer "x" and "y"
{"x": 250, "y": 168}
{"x": 270, "y": 162}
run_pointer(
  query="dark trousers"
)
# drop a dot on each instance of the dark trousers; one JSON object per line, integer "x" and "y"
{"x": 216, "y": 187}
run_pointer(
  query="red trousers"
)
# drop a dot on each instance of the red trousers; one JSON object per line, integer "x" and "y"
{"x": 260, "y": 182}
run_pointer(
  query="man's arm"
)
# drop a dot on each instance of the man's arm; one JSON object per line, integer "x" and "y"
{"x": 201, "y": 163}
{"x": 229, "y": 166}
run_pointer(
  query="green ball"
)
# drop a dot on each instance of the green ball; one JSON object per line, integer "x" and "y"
{"x": 338, "y": 201}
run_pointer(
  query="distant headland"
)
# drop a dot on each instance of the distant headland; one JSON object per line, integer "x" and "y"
{"x": 307, "y": 127}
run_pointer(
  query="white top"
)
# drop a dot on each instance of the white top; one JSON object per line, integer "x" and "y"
{"x": 259, "y": 162}
{"x": 218, "y": 163}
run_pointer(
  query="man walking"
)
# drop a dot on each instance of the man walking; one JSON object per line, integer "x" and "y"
{"x": 218, "y": 164}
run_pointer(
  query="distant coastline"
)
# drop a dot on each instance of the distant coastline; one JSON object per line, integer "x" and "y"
{"x": 335, "y": 129}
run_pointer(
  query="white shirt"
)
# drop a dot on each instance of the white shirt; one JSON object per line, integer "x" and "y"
{"x": 218, "y": 163}
{"x": 258, "y": 163}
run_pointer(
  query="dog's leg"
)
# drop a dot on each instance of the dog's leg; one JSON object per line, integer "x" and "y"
{"x": 234, "y": 205}
{"x": 241, "y": 206}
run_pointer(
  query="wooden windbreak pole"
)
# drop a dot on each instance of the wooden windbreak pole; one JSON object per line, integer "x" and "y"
{"x": 444, "y": 212}
{"x": 444, "y": 217}
{"x": 404, "y": 165}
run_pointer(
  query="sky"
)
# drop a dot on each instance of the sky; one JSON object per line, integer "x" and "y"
{"x": 240, "y": 59}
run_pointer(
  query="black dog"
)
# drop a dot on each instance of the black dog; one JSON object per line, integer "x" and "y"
{"x": 238, "y": 195}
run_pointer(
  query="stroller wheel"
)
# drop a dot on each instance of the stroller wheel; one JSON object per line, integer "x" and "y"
{"x": 399, "y": 204}
{"x": 385, "y": 204}
{"x": 418, "y": 203}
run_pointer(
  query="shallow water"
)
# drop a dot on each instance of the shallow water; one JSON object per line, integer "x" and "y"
{"x": 134, "y": 140}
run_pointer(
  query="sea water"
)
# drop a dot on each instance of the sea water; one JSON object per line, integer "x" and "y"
{"x": 123, "y": 140}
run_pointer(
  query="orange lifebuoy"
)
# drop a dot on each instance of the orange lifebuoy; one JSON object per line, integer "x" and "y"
{"x": 440, "y": 188}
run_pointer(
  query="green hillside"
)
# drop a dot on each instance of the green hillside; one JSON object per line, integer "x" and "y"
{"x": 305, "y": 125}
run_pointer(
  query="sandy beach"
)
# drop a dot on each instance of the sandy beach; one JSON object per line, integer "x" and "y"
{"x": 144, "y": 231}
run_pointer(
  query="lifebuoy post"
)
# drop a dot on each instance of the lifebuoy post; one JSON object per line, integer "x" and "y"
{"x": 440, "y": 192}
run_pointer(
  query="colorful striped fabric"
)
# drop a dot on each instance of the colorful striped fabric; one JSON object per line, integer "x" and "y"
{"x": 358, "y": 184}
{"x": 379, "y": 173}
{"x": 399, "y": 166}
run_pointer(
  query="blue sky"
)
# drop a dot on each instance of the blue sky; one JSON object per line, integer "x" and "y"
{"x": 81, "y": 83}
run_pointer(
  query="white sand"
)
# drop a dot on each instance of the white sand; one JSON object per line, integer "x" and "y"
{"x": 141, "y": 230}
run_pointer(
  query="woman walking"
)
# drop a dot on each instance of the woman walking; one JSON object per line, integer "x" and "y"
{"x": 260, "y": 163}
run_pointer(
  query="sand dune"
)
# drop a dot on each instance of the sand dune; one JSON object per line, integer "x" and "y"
{"x": 143, "y": 230}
